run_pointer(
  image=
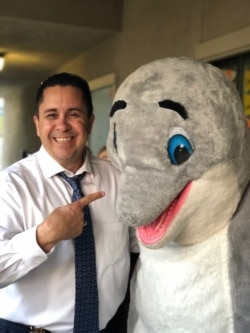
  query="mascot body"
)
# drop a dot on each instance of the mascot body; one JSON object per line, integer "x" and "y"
{"x": 179, "y": 137}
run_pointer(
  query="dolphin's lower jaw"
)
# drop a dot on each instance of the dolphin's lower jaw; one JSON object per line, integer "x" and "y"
{"x": 151, "y": 234}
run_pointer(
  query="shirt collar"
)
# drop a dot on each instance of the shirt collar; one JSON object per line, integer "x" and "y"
{"x": 50, "y": 167}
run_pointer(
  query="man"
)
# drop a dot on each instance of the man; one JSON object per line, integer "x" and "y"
{"x": 38, "y": 221}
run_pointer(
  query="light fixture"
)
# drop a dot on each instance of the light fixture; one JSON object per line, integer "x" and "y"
{"x": 2, "y": 60}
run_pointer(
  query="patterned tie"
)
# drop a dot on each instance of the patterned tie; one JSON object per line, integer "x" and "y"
{"x": 86, "y": 298}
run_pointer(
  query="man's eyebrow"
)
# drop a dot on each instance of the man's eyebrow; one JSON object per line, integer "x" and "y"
{"x": 118, "y": 105}
{"x": 50, "y": 110}
{"x": 76, "y": 108}
{"x": 69, "y": 109}
{"x": 175, "y": 106}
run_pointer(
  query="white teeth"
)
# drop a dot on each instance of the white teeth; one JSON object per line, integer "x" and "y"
{"x": 63, "y": 139}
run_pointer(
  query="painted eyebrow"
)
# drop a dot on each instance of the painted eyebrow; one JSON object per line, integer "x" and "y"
{"x": 118, "y": 105}
{"x": 175, "y": 106}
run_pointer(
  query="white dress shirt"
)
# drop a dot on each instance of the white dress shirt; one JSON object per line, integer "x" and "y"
{"x": 38, "y": 288}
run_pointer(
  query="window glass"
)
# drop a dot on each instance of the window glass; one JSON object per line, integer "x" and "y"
{"x": 246, "y": 88}
{"x": 1, "y": 128}
{"x": 238, "y": 70}
{"x": 230, "y": 67}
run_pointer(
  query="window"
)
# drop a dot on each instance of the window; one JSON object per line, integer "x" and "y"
{"x": 238, "y": 70}
{"x": 102, "y": 90}
{"x": 1, "y": 128}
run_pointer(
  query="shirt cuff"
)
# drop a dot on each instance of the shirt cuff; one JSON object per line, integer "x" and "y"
{"x": 30, "y": 252}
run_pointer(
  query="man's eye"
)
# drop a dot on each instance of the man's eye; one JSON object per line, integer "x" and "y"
{"x": 74, "y": 114}
{"x": 51, "y": 115}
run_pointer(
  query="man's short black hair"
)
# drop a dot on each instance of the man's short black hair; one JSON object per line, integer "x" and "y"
{"x": 67, "y": 79}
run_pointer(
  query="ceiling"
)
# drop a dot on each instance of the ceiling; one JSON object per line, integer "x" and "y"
{"x": 36, "y": 42}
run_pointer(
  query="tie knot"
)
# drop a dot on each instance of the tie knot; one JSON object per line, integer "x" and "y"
{"x": 74, "y": 183}
{"x": 74, "y": 179}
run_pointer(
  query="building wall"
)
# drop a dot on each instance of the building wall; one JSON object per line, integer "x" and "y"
{"x": 151, "y": 29}
{"x": 18, "y": 130}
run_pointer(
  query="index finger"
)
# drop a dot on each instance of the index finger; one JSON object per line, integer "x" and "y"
{"x": 87, "y": 199}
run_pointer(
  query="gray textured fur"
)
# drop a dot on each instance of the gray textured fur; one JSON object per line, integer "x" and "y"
{"x": 216, "y": 127}
{"x": 239, "y": 236}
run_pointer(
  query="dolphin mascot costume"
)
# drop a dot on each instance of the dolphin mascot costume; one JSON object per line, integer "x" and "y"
{"x": 179, "y": 137}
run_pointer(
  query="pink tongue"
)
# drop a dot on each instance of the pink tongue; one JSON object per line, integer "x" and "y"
{"x": 153, "y": 232}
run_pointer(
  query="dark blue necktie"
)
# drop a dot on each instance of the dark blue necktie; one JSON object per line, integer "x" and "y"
{"x": 86, "y": 298}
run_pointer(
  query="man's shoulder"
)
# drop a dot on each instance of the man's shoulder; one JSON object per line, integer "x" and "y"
{"x": 104, "y": 165}
{"x": 20, "y": 168}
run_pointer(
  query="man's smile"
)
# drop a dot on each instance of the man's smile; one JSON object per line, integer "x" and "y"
{"x": 64, "y": 139}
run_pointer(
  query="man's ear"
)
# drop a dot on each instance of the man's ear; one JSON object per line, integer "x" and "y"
{"x": 36, "y": 121}
{"x": 91, "y": 122}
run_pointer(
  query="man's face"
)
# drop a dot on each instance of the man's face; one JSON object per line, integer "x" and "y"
{"x": 63, "y": 125}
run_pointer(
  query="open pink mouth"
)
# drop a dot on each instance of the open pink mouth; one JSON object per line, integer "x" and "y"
{"x": 152, "y": 233}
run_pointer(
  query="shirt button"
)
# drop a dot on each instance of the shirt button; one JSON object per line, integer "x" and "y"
{"x": 38, "y": 260}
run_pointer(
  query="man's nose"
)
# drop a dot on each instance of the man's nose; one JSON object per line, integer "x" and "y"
{"x": 63, "y": 124}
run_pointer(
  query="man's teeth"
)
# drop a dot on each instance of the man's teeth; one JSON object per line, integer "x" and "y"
{"x": 63, "y": 139}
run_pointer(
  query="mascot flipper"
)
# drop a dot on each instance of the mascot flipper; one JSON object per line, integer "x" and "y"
{"x": 179, "y": 136}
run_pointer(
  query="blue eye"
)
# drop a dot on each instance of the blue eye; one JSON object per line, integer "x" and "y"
{"x": 179, "y": 149}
